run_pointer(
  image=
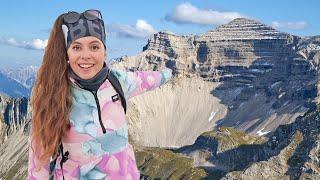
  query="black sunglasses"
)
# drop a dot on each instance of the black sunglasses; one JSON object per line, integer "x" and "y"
{"x": 72, "y": 16}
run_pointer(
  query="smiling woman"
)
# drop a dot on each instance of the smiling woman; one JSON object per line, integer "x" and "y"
{"x": 79, "y": 128}
{"x": 86, "y": 56}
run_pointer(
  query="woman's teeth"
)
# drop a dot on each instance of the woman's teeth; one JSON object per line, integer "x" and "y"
{"x": 86, "y": 65}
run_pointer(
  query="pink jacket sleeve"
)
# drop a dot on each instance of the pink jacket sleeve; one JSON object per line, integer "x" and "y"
{"x": 34, "y": 171}
{"x": 138, "y": 82}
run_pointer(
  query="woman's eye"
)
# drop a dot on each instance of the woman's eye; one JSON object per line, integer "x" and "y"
{"x": 76, "y": 48}
{"x": 95, "y": 47}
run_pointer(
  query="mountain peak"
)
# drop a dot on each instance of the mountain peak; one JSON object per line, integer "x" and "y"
{"x": 244, "y": 21}
{"x": 244, "y": 28}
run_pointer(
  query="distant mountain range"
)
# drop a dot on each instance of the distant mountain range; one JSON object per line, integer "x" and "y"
{"x": 17, "y": 82}
{"x": 12, "y": 88}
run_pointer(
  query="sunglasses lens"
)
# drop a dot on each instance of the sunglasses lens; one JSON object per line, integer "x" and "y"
{"x": 92, "y": 14}
{"x": 71, "y": 17}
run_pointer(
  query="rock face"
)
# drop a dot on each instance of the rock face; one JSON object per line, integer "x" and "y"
{"x": 209, "y": 150}
{"x": 257, "y": 74}
{"x": 248, "y": 44}
{"x": 14, "y": 109}
{"x": 292, "y": 152}
{"x": 14, "y": 128}
{"x": 154, "y": 116}
{"x": 14, "y": 153}
{"x": 241, "y": 43}
{"x": 157, "y": 163}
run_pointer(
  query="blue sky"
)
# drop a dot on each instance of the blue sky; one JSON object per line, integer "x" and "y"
{"x": 25, "y": 26}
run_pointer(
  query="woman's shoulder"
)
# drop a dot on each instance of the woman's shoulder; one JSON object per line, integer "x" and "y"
{"x": 118, "y": 73}
{"x": 126, "y": 78}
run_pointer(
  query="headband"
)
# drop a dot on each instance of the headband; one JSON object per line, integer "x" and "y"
{"x": 75, "y": 27}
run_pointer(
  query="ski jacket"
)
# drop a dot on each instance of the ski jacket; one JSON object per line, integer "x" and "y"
{"x": 97, "y": 141}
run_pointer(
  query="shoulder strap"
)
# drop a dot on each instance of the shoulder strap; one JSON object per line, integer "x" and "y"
{"x": 52, "y": 167}
{"x": 64, "y": 158}
{"x": 116, "y": 84}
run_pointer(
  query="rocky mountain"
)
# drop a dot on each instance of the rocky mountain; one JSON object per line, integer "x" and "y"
{"x": 309, "y": 48}
{"x": 257, "y": 76}
{"x": 14, "y": 128}
{"x": 292, "y": 152}
{"x": 14, "y": 151}
{"x": 260, "y": 81}
{"x": 243, "y": 104}
{"x": 13, "y": 111}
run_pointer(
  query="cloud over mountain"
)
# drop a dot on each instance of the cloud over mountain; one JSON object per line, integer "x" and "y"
{"x": 186, "y": 13}
{"x": 140, "y": 30}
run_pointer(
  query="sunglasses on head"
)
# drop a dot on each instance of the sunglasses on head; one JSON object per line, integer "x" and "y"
{"x": 72, "y": 16}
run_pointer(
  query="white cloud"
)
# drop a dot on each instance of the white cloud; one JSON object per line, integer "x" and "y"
{"x": 187, "y": 13}
{"x": 141, "y": 30}
{"x": 36, "y": 44}
{"x": 40, "y": 44}
{"x": 289, "y": 25}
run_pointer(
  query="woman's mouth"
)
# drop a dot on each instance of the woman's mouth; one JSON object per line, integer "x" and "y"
{"x": 85, "y": 66}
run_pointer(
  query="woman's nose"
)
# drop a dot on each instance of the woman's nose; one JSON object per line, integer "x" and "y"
{"x": 85, "y": 54}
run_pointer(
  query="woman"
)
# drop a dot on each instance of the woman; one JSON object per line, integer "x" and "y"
{"x": 79, "y": 130}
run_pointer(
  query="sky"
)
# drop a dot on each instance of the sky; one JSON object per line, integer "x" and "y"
{"x": 26, "y": 25}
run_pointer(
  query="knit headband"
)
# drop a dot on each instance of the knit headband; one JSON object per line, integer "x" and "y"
{"x": 82, "y": 28}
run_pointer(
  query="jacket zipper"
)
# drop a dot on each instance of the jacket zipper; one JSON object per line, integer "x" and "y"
{"x": 99, "y": 111}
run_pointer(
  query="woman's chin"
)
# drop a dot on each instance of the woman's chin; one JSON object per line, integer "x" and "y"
{"x": 86, "y": 74}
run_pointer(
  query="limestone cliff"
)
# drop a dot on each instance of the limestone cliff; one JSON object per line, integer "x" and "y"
{"x": 12, "y": 112}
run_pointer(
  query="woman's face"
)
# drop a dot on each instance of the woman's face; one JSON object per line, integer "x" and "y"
{"x": 86, "y": 56}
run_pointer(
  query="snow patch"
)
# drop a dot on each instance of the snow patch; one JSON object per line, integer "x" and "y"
{"x": 274, "y": 84}
{"x": 257, "y": 70}
{"x": 261, "y": 133}
{"x": 213, "y": 113}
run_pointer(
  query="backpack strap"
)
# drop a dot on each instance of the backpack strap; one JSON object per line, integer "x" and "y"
{"x": 116, "y": 84}
{"x": 52, "y": 167}
{"x": 53, "y": 163}
{"x": 64, "y": 157}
